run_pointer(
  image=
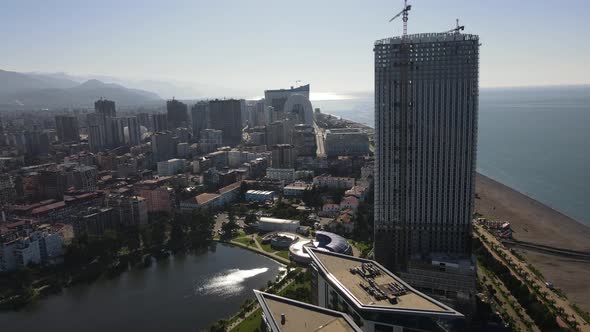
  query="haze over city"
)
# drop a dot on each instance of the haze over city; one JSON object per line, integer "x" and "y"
{"x": 246, "y": 46}
{"x": 308, "y": 166}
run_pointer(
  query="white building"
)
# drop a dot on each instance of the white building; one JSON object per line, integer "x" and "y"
{"x": 375, "y": 298}
{"x": 266, "y": 224}
{"x": 259, "y": 196}
{"x": 170, "y": 167}
{"x": 36, "y": 247}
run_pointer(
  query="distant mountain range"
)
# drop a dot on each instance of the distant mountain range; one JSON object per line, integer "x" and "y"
{"x": 35, "y": 90}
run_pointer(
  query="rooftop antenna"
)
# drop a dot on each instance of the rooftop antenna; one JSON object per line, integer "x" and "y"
{"x": 457, "y": 28}
{"x": 404, "y": 14}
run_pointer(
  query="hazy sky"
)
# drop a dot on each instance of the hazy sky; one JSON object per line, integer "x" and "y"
{"x": 257, "y": 44}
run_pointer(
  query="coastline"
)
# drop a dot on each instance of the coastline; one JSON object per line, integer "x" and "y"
{"x": 531, "y": 220}
{"x": 534, "y": 222}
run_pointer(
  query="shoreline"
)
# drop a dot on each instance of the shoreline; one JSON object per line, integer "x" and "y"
{"x": 536, "y": 223}
{"x": 531, "y": 220}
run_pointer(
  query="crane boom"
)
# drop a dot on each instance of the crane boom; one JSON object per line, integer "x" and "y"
{"x": 404, "y": 12}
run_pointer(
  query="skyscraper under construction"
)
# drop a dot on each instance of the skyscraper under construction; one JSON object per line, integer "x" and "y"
{"x": 426, "y": 102}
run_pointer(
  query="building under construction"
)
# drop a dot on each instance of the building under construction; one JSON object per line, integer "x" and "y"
{"x": 426, "y": 103}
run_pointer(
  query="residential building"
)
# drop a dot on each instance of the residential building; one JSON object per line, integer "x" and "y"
{"x": 159, "y": 122}
{"x": 279, "y": 132}
{"x": 304, "y": 140}
{"x": 333, "y": 182}
{"x": 226, "y": 115}
{"x": 346, "y": 142}
{"x": 133, "y": 131}
{"x": 296, "y": 189}
{"x": 199, "y": 118}
{"x": 283, "y": 156}
{"x": 287, "y": 175}
{"x": 171, "y": 167}
{"x": 105, "y": 107}
{"x": 158, "y": 196}
{"x": 163, "y": 146}
{"x": 95, "y": 125}
{"x": 210, "y": 140}
{"x": 177, "y": 114}
{"x": 67, "y": 128}
{"x": 426, "y": 97}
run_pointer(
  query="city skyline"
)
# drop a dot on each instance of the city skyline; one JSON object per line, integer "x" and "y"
{"x": 192, "y": 48}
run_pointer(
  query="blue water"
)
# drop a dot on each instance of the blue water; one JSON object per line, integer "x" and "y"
{"x": 535, "y": 140}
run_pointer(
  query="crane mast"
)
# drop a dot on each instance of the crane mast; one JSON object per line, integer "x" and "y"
{"x": 402, "y": 107}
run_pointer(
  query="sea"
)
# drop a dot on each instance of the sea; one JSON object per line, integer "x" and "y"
{"x": 535, "y": 140}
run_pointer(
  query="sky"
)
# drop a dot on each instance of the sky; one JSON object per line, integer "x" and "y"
{"x": 248, "y": 46}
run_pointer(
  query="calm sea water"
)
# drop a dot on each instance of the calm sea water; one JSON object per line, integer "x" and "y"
{"x": 535, "y": 140}
{"x": 184, "y": 293}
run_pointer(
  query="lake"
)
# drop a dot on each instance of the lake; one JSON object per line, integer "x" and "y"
{"x": 184, "y": 293}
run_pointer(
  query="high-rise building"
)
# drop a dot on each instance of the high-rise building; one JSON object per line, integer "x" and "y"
{"x": 283, "y": 156}
{"x": 210, "y": 140}
{"x": 95, "y": 124}
{"x": 105, "y": 107}
{"x": 279, "y": 132}
{"x": 133, "y": 131}
{"x": 346, "y": 142}
{"x": 36, "y": 142}
{"x": 177, "y": 114}
{"x": 159, "y": 122}
{"x": 67, "y": 128}
{"x": 226, "y": 115}
{"x": 199, "y": 118}
{"x": 118, "y": 130}
{"x": 144, "y": 120}
{"x": 163, "y": 146}
{"x": 304, "y": 140}
{"x": 426, "y": 102}
{"x": 275, "y": 101}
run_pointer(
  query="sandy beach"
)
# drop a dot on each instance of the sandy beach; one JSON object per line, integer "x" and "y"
{"x": 534, "y": 222}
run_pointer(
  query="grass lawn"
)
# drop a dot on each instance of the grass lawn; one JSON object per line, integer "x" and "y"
{"x": 245, "y": 240}
{"x": 283, "y": 253}
{"x": 251, "y": 323}
{"x": 266, "y": 247}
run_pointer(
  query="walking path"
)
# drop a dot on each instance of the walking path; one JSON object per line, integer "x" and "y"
{"x": 519, "y": 268}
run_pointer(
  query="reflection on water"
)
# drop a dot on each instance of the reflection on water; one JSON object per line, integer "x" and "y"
{"x": 229, "y": 282}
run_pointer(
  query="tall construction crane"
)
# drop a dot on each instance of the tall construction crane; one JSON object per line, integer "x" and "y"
{"x": 457, "y": 28}
{"x": 402, "y": 107}
{"x": 404, "y": 12}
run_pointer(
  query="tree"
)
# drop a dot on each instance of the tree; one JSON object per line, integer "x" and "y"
{"x": 229, "y": 228}
{"x": 250, "y": 219}
{"x": 177, "y": 235}
{"x": 158, "y": 231}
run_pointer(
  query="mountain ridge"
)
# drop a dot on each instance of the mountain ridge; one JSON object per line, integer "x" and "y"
{"x": 32, "y": 90}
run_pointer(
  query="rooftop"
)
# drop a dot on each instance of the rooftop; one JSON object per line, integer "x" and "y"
{"x": 301, "y": 317}
{"x": 428, "y": 37}
{"x": 372, "y": 286}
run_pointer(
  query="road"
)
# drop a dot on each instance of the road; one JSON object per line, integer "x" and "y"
{"x": 529, "y": 277}
{"x": 319, "y": 140}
